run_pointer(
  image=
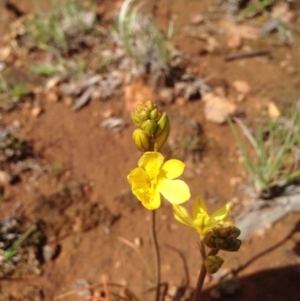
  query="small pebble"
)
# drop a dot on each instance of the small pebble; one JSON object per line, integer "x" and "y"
{"x": 48, "y": 252}
{"x": 229, "y": 284}
{"x": 273, "y": 110}
{"x": 52, "y": 97}
{"x": 235, "y": 42}
{"x": 137, "y": 241}
{"x": 166, "y": 95}
{"x": 197, "y": 19}
{"x": 52, "y": 82}
{"x": 5, "y": 178}
{"x": 68, "y": 101}
{"x": 36, "y": 111}
{"x": 172, "y": 290}
{"x": 241, "y": 86}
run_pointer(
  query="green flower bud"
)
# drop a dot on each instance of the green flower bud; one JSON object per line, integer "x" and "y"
{"x": 136, "y": 119}
{"x": 221, "y": 243}
{"x": 162, "y": 124}
{"x": 235, "y": 232}
{"x": 148, "y": 127}
{"x": 162, "y": 138}
{"x": 233, "y": 247}
{"x": 162, "y": 131}
{"x": 149, "y": 105}
{"x": 217, "y": 228}
{"x": 141, "y": 140}
{"x": 223, "y": 237}
{"x": 213, "y": 263}
{"x": 145, "y": 111}
{"x": 209, "y": 240}
{"x": 154, "y": 115}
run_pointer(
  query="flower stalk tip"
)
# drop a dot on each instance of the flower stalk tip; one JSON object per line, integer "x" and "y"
{"x": 154, "y": 124}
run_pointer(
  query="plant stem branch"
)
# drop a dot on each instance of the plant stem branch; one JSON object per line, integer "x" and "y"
{"x": 202, "y": 274}
{"x": 156, "y": 254}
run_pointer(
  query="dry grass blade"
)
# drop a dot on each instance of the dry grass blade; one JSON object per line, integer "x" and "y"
{"x": 273, "y": 165}
{"x": 144, "y": 261}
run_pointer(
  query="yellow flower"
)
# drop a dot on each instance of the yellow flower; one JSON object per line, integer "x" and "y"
{"x": 154, "y": 177}
{"x": 200, "y": 221}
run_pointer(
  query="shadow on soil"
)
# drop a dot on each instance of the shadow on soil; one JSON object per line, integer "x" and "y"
{"x": 280, "y": 284}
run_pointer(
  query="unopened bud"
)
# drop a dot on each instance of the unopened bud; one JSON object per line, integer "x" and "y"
{"x": 223, "y": 238}
{"x": 149, "y": 105}
{"x": 234, "y": 246}
{"x": 148, "y": 127}
{"x": 213, "y": 263}
{"x": 209, "y": 240}
{"x": 154, "y": 115}
{"x": 235, "y": 232}
{"x": 145, "y": 111}
{"x": 162, "y": 131}
{"x": 141, "y": 140}
{"x": 136, "y": 119}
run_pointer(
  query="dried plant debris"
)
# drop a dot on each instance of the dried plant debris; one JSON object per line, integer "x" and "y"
{"x": 245, "y": 7}
{"x": 64, "y": 27}
{"x": 93, "y": 86}
{"x": 70, "y": 210}
{"x": 136, "y": 49}
{"x": 14, "y": 155}
{"x": 20, "y": 243}
{"x": 13, "y": 149}
{"x": 27, "y": 293}
{"x": 12, "y": 93}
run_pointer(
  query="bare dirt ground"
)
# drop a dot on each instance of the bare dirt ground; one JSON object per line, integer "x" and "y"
{"x": 81, "y": 194}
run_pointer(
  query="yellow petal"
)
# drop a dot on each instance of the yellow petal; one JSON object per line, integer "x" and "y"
{"x": 199, "y": 207}
{"x": 172, "y": 169}
{"x": 182, "y": 215}
{"x": 204, "y": 223}
{"x": 137, "y": 175}
{"x": 175, "y": 191}
{"x": 149, "y": 200}
{"x": 222, "y": 213}
{"x": 151, "y": 162}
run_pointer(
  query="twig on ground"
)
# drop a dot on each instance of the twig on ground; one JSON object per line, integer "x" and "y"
{"x": 241, "y": 55}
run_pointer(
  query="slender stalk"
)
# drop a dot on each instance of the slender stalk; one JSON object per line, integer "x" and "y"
{"x": 156, "y": 254}
{"x": 202, "y": 274}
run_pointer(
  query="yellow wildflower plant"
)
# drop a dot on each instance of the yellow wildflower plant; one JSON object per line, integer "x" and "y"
{"x": 200, "y": 221}
{"x": 153, "y": 177}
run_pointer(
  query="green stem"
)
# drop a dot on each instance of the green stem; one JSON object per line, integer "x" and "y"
{"x": 12, "y": 251}
{"x": 156, "y": 254}
{"x": 202, "y": 274}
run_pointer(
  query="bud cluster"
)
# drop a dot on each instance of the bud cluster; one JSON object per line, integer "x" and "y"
{"x": 213, "y": 263}
{"x": 223, "y": 237}
{"x": 153, "y": 127}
